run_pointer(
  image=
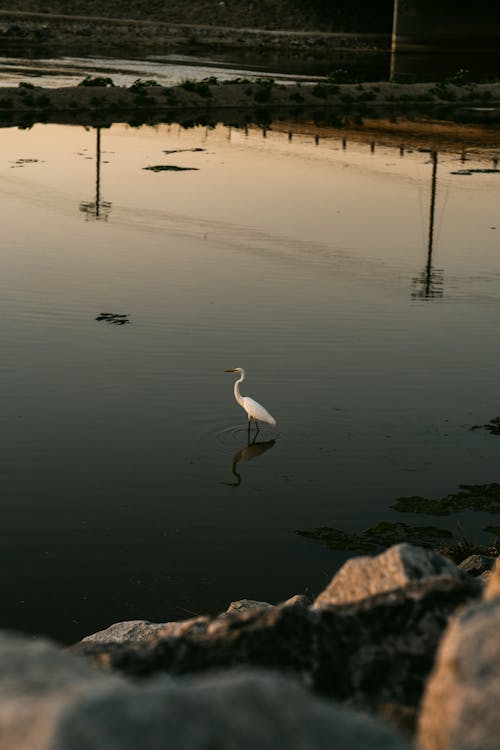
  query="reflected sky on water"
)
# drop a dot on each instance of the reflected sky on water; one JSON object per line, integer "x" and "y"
{"x": 357, "y": 284}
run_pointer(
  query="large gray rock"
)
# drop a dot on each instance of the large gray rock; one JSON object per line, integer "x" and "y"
{"x": 460, "y": 709}
{"x": 50, "y": 700}
{"x": 400, "y": 565}
{"x": 373, "y": 652}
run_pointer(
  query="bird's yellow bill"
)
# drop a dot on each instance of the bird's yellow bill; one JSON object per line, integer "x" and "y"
{"x": 233, "y": 370}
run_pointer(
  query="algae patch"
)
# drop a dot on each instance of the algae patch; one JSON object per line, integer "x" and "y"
{"x": 384, "y": 534}
{"x": 482, "y": 497}
{"x": 493, "y": 426}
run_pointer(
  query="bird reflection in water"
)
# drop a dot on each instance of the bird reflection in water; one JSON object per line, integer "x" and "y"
{"x": 253, "y": 449}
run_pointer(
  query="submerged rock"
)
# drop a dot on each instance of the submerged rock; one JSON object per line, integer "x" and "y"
{"x": 51, "y": 700}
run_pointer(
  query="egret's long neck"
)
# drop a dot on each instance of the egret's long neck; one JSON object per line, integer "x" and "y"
{"x": 237, "y": 393}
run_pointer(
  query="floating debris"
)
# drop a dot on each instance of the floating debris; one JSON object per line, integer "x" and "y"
{"x": 384, "y": 534}
{"x": 171, "y": 168}
{"x": 23, "y": 162}
{"x": 467, "y": 172}
{"x": 493, "y": 426}
{"x": 183, "y": 150}
{"x": 116, "y": 319}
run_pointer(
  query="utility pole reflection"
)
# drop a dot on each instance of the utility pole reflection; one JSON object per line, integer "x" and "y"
{"x": 429, "y": 283}
{"x": 97, "y": 209}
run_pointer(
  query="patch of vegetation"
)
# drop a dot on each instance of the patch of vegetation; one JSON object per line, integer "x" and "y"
{"x": 346, "y": 98}
{"x": 482, "y": 497}
{"x": 460, "y": 78}
{"x": 493, "y": 426}
{"x": 383, "y": 535}
{"x": 367, "y": 96}
{"x": 341, "y": 75}
{"x": 296, "y": 96}
{"x": 263, "y": 95}
{"x": 320, "y": 90}
{"x": 444, "y": 91}
{"x": 6, "y": 103}
{"x": 198, "y": 87}
{"x": 235, "y": 81}
{"x": 139, "y": 84}
{"x": 43, "y": 101}
{"x": 96, "y": 81}
{"x": 26, "y": 85}
{"x": 465, "y": 547}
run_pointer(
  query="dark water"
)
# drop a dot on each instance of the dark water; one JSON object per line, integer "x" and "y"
{"x": 128, "y": 487}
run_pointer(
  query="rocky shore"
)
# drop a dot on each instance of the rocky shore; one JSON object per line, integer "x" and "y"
{"x": 399, "y": 651}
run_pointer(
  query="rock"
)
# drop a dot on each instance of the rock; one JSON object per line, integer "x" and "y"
{"x": 372, "y": 652}
{"x": 460, "y": 706}
{"x": 142, "y": 631}
{"x": 300, "y": 600}
{"x": 493, "y": 585}
{"x": 361, "y": 577}
{"x": 243, "y": 605}
{"x": 36, "y": 680}
{"x": 475, "y": 565}
{"x": 50, "y": 700}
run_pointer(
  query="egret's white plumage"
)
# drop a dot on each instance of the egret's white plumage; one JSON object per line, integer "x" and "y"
{"x": 253, "y": 408}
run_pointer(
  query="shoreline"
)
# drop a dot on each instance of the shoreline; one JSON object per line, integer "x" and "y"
{"x": 429, "y": 111}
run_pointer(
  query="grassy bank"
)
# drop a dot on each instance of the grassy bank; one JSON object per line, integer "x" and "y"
{"x": 99, "y": 96}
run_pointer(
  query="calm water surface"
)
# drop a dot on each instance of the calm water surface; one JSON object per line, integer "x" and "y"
{"x": 126, "y": 484}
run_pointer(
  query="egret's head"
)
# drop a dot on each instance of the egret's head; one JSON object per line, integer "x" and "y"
{"x": 237, "y": 369}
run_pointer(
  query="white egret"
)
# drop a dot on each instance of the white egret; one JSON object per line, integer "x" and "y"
{"x": 252, "y": 408}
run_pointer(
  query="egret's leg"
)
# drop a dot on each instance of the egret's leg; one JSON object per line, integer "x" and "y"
{"x": 256, "y": 425}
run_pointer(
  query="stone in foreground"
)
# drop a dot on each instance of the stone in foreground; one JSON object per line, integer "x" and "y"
{"x": 460, "y": 709}
{"x": 362, "y": 577}
{"x": 372, "y": 653}
{"x": 51, "y": 700}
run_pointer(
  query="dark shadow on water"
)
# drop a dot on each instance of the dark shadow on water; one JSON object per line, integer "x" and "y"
{"x": 251, "y": 450}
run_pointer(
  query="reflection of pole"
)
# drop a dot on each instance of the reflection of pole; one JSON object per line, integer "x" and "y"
{"x": 430, "y": 282}
{"x": 434, "y": 157}
{"x": 98, "y": 174}
{"x": 97, "y": 209}
{"x": 393, "y": 39}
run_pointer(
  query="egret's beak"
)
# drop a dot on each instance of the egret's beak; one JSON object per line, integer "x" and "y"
{"x": 233, "y": 370}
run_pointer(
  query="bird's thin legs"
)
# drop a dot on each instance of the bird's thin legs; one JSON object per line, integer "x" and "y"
{"x": 250, "y": 425}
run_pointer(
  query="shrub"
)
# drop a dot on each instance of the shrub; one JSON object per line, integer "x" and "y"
{"x": 96, "y": 81}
